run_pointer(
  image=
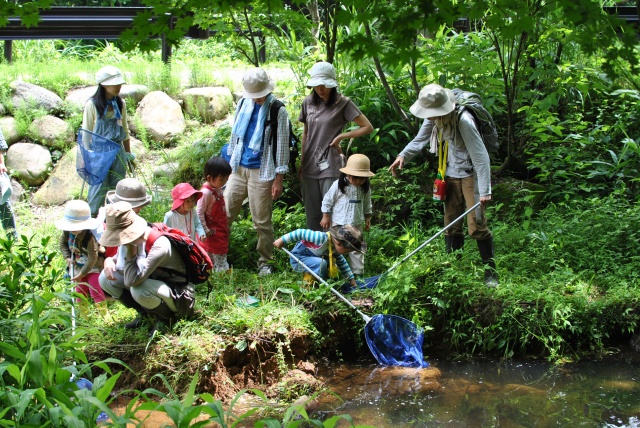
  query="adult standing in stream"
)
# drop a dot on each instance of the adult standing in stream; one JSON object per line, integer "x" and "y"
{"x": 325, "y": 112}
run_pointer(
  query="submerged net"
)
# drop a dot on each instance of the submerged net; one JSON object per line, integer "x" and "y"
{"x": 395, "y": 341}
{"x": 93, "y": 163}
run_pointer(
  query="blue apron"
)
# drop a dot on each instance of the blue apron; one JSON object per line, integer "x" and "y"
{"x": 108, "y": 128}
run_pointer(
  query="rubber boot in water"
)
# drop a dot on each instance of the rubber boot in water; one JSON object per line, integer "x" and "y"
{"x": 163, "y": 317}
{"x": 128, "y": 301}
{"x": 485, "y": 247}
{"x": 454, "y": 244}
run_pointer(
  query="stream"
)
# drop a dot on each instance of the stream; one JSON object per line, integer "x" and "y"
{"x": 487, "y": 393}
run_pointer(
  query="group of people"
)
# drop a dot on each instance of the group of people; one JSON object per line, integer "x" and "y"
{"x": 113, "y": 257}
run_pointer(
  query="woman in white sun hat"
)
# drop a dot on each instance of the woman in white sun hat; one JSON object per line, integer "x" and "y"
{"x": 468, "y": 169}
{"x": 325, "y": 113}
{"x": 105, "y": 114}
{"x": 81, "y": 249}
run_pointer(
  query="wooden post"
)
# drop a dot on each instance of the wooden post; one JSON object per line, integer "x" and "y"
{"x": 8, "y": 44}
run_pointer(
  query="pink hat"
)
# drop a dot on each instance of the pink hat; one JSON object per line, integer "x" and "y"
{"x": 181, "y": 192}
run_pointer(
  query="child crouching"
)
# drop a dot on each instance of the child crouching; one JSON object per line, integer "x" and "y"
{"x": 314, "y": 247}
{"x": 81, "y": 249}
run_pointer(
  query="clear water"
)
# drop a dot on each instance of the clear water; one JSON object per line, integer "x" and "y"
{"x": 483, "y": 393}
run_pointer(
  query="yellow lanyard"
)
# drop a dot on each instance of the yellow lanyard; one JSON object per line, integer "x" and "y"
{"x": 333, "y": 267}
{"x": 443, "y": 152}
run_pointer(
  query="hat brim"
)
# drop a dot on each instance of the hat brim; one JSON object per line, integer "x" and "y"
{"x": 185, "y": 195}
{"x": 422, "y": 112}
{"x": 327, "y": 82}
{"x": 357, "y": 172}
{"x": 263, "y": 93}
{"x": 113, "y": 80}
{"x": 135, "y": 203}
{"x": 72, "y": 226}
{"x": 113, "y": 238}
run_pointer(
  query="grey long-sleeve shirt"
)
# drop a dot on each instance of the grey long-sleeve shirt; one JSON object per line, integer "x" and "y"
{"x": 467, "y": 154}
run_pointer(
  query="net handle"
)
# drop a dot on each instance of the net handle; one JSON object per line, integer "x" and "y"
{"x": 366, "y": 318}
{"x": 425, "y": 243}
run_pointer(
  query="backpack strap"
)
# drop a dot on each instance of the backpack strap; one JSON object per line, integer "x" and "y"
{"x": 154, "y": 234}
{"x": 273, "y": 122}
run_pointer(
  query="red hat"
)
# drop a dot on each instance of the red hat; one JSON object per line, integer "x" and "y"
{"x": 181, "y": 192}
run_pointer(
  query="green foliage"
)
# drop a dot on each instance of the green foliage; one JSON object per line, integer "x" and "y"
{"x": 193, "y": 156}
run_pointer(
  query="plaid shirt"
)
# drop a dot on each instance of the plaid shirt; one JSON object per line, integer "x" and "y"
{"x": 268, "y": 169}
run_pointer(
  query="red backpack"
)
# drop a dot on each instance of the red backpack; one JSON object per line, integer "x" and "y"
{"x": 196, "y": 260}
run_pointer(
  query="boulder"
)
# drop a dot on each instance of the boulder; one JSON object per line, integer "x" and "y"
{"x": 135, "y": 93}
{"x": 52, "y": 132}
{"x": 166, "y": 170}
{"x": 210, "y": 104}
{"x": 63, "y": 184}
{"x": 161, "y": 117}
{"x": 29, "y": 162}
{"x": 33, "y": 96}
{"x": 10, "y": 131}
{"x": 3, "y": 111}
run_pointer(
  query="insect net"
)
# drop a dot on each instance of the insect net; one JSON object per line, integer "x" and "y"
{"x": 395, "y": 341}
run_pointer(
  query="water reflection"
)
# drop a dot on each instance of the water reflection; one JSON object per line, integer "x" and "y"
{"x": 483, "y": 393}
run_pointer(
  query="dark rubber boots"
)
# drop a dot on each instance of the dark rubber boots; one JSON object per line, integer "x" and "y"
{"x": 486, "y": 252}
{"x": 455, "y": 243}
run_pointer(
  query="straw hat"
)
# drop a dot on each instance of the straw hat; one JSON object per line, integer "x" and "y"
{"x": 130, "y": 190}
{"x": 77, "y": 216}
{"x": 123, "y": 225}
{"x": 322, "y": 73}
{"x": 5, "y": 188}
{"x": 350, "y": 237}
{"x": 358, "y": 165}
{"x": 433, "y": 101}
{"x": 109, "y": 75}
{"x": 256, "y": 83}
{"x": 181, "y": 192}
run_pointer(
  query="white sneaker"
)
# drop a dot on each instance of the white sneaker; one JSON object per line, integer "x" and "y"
{"x": 265, "y": 270}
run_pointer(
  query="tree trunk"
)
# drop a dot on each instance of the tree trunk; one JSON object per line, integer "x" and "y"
{"x": 387, "y": 88}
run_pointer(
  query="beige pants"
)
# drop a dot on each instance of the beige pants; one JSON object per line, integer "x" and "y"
{"x": 246, "y": 182}
{"x": 461, "y": 195}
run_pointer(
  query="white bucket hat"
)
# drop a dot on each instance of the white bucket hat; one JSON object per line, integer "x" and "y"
{"x": 256, "y": 83}
{"x": 322, "y": 73}
{"x": 109, "y": 75}
{"x": 5, "y": 188}
{"x": 77, "y": 216}
{"x": 433, "y": 101}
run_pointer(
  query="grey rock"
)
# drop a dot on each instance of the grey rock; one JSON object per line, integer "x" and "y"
{"x": 28, "y": 95}
{"x": 51, "y": 132}
{"x": 29, "y": 162}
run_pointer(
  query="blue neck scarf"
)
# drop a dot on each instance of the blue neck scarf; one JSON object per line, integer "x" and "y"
{"x": 113, "y": 103}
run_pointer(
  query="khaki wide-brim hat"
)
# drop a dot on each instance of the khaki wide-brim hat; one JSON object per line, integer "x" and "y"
{"x": 350, "y": 237}
{"x": 433, "y": 101}
{"x": 123, "y": 225}
{"x": 358, "y": 165}
{"x": 256, "y": 84}
{"x": 130, "y": 190}
{"x": 77, "y": 216}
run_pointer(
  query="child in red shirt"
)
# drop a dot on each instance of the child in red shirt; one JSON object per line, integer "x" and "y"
{"x": 213, "y": 213}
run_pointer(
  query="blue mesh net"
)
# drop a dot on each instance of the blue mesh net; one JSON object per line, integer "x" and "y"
{"x": 93, "y": 164}
{"x": 395, "y": 341}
